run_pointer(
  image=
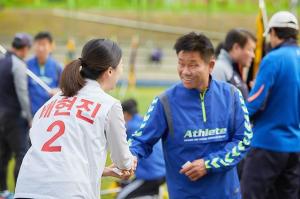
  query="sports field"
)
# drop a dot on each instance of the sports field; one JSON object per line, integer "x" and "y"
{"x": 143, "y": 96}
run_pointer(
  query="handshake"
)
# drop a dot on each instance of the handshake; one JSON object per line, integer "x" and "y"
{"x": 123, "y": 174}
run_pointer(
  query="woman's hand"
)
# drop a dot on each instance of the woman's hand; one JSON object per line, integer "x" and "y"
{"x": 113, "y": 171}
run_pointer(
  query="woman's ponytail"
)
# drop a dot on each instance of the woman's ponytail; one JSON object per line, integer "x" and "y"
{"x": 71, "y": 79}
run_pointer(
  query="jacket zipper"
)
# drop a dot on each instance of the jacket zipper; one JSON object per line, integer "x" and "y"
{"x": 203, "y": 105}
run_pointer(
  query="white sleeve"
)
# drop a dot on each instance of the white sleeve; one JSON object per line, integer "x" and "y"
{"x": 116, "y": 138}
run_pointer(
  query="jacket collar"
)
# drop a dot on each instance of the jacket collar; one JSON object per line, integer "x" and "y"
{"x": 288, "y": 42}
{"x": 224, "y": 55}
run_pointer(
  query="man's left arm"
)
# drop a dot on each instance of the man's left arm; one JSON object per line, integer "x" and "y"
{"x": 237, "y": 147}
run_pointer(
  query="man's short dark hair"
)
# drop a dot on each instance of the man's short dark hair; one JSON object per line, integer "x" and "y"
{"x": 44, "y": 35}
{"x": 239, "y": 36}
{"x": 193, "y": 42}
{"x": 130, "y": 106}
{"x": 286, "y": 33}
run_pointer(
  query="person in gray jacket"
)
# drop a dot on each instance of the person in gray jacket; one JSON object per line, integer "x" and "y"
{"x": 237, "y": 52}
{"x": 15, "y": 112}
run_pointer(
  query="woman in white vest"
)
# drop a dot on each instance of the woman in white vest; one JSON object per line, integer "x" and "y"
{"x": 71, "y": 133}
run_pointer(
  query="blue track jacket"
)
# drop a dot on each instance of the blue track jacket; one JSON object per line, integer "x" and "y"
{"x": 50, "y": 75}
{"x": 274, "y": 102}
{"x": 155, "y": 162}
{"x": 213, "y": 125}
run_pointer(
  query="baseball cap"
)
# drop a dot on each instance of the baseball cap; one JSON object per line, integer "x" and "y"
{"x": 282, "y": 19}
{"x": 22, "y": 40}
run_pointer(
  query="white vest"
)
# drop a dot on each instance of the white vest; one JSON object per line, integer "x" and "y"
{"x": 69, "y": 147}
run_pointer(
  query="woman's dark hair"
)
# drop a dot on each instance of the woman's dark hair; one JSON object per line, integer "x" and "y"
{"x": 195, "y": 42}
{"x": 239, "y": 36}
{"x": 96, "y": 57}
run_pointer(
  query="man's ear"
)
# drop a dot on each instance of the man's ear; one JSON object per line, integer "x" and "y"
{"x": 236, "y": 47}
{"x": 211, "y": 65}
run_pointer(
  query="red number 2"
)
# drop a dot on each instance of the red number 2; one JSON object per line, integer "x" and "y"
{"x": 46, "y": 147}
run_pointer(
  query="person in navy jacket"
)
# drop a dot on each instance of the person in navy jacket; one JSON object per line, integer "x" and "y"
{"x": 204, "y": 126}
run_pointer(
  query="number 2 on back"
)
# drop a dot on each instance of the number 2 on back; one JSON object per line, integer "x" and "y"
{"x": 47, "y": 146}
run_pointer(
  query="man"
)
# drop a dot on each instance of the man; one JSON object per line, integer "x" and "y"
{"x": 15, "y": 114}
{"x": 203, "y": 124}
{"x": 274, "y": 105}
{"x": 144, "y": 184}
{"x": 236, "y": 54}
{"x": 45, "y": 67}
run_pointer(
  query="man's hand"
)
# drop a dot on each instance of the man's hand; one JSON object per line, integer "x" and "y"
{"x": 134, "y": 164}
{"x": 194, "y": 170}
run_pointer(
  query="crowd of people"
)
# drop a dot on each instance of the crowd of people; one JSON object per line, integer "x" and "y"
{"x": 210, "y": 136}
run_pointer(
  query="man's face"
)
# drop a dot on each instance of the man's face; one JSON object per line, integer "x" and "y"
{"x": 246, "y": 54}
{"x": 193, "y": 70}
{"x": 127, "y": 116}
{"x": 43, "y": 48}
{"x": 274, "y": 41}
{"x": 113, "y": 76}
{"x": 24, "y": 52}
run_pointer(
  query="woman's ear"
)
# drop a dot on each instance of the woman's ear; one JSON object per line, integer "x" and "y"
{"x": 110, "y": 70}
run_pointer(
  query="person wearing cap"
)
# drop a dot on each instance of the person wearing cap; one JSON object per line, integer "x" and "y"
{"x": 46, "y": 68}
{"x": 274, "y": 106}
{"x": 144, "y": 184}
{"x": 15, "y": 113}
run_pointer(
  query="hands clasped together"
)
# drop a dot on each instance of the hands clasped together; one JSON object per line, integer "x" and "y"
{"x": 124, "y": 174}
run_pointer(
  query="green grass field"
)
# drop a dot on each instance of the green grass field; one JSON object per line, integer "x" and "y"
{"x": 143, "y": 96}
{"x": 238, "y": 6}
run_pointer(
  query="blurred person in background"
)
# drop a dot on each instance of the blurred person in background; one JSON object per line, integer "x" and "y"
{"x": 71, "y": 50}
{"x": 150, "y": 172}
{"x": 15, "y": 113}
{"x": 46, "y": 68}
{"x": 273, "y": 162}
{"x": 234, "y": 54}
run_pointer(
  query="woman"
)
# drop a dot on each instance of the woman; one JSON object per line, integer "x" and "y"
{"x": 71, "y": 132}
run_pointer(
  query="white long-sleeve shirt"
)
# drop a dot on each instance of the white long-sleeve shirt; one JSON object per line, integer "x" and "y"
{"x": 70, "y": 138}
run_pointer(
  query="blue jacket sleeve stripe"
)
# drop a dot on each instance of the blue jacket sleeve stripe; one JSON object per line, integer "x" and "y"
{"x": 236, "y": 149}
{"x": 150, "y": 131}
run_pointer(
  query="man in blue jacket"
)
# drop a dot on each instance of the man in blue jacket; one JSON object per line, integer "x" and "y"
{"x": 45, "y": 67}
{"x": 274, "y": 105}
{"x": 203, "y": 124}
